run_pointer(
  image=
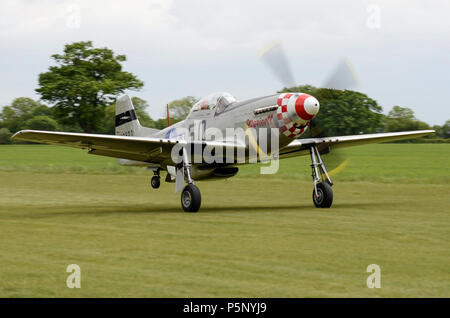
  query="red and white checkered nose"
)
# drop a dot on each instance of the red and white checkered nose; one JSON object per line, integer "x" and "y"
{"x": 295, "y": 110}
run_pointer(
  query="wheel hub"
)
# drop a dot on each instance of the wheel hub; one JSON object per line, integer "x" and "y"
{"x": 319, "y": 196}
{"x": 186, "y": 198}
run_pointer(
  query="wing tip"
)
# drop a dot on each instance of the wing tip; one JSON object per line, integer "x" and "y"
{"x": 20, "y": 132}
{"x": 23, "y": 132}
{"x": 424, "y": 132}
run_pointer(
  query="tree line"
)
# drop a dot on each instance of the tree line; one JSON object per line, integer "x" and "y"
{"x": 27, "y": 113}
{"x": 350, "y": 113}
{"x": 79, "y": 93}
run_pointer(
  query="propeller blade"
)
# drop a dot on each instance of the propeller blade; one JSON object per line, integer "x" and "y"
{"x": 273, "y": 56}
{"x": 343, "y": 77}
{"x": 336, "y": 160}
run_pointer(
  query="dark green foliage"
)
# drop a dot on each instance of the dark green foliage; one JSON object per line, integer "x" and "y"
{"x": 17, "y": 116}
{"x": 402, "y": 119}
{"x": 85, "y": 81}
{"x": 342, "y": 112}
{"x": 180, "y": 108}
{"x": 141, "y": 106}
{"x": 5, "y": 136}
{"x": 42, "y": 123}
{"x": 445, "y": 130}
{"x": 108, "y": 123}
{"x": 162, "y": 123}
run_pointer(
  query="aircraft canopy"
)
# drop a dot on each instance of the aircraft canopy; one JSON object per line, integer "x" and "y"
{"x": 218, "y": 101}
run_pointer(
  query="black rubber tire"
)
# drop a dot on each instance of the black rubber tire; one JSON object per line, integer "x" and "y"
{"x": 191, "y": 198}
{"x": 325, "y": 195}
{"x": 155, "y": 182}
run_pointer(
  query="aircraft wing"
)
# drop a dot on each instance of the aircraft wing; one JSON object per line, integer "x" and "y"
{"x": 301, "y": 147}
{"x": 147, "y": 149}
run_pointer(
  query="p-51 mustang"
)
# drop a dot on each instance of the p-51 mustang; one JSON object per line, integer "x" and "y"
{"x": 284, "y": 116}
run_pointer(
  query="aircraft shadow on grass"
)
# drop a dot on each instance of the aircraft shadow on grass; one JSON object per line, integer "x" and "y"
{"x": 80, "y": 210}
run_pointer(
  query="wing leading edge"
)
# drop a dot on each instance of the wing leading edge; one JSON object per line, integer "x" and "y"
{"x": 301, "y": 147}
{"x": 146, "y": 149}
{"x": 158, "y": 150}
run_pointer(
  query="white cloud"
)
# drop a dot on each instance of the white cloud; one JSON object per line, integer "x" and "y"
{"x": 193, "y": 47}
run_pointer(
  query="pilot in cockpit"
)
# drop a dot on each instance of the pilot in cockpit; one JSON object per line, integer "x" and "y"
{"x": 221, "y": 103}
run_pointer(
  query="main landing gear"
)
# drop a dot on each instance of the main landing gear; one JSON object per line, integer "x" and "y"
{"x": 191, "y": 198}
{"x": 322, "y": 194}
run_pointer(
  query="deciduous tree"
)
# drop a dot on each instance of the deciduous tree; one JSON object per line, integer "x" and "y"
{"x": 84, "y": 82}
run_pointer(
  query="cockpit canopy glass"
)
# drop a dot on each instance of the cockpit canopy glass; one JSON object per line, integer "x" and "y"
{"x": 218, "y": 101}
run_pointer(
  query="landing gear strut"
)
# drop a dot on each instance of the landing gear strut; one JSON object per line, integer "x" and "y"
{"x": 191, "y": 198}
{"x": 322, "y": 194}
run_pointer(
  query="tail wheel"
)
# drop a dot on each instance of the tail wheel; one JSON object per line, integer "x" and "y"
{"x": 191, "y": 198}
{"x": 155, "y": 182}
{"x": 324, "y": 197}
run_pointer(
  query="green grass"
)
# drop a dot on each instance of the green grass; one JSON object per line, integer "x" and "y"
{"x": 255, "y": 236}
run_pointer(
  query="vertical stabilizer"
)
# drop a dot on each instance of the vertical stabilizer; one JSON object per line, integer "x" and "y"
{"x": 127, "y": 122}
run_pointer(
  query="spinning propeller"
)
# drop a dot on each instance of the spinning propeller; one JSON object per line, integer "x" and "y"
{"x": 342, "y": 77}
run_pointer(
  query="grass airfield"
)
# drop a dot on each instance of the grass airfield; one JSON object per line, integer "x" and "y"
{"x": 255, "y": 235}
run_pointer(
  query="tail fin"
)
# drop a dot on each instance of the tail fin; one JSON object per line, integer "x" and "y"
{"x": 127, "y": 122}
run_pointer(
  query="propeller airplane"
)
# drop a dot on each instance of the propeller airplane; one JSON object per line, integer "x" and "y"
{"x": 220, "y": 133}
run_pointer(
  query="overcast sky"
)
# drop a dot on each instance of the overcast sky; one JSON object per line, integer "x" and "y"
{"x": 399, "y": 49}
